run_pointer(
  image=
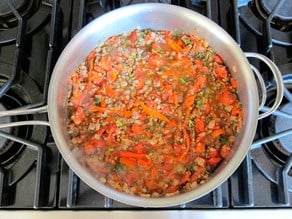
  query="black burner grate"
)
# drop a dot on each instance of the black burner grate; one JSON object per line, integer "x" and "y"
{"x": 29, "y": 165}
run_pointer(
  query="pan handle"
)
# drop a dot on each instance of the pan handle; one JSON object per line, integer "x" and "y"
{"x": 23, "y": 111}
{"x": 278, "y": 81}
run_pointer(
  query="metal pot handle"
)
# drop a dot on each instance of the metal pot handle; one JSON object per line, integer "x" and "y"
{"x": 278, "y": 81}
{"x": 23, "y": 111}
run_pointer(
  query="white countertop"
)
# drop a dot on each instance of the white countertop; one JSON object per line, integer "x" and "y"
{"x": 152, "y": 214}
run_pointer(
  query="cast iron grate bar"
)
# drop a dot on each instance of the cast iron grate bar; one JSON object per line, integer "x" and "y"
{"x": 267, "y": 34}
{"x": 208, "y": 9}
{"x": 73, "y": 188}
{"x": 212, "y": 10}
{"x": 248, "y": 194}
{"x": 78, "y": 21}
{"x": 242, "y": 193}
{"x": 55, "y": 34}
{"x": 52, "y": 54}
{"x": 40, "y": 175}
{"x": 40, "y": 190}
{"x": 108, "y": 202}
{"x": 236, "y": 22}
{"x": 283, "y": 191}
{"x": 260, "y": 142}
{"x": 2, "y": 185}
{"x": 217, "y": 197}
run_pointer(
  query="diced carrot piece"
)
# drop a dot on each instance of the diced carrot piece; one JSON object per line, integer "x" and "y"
{"x": 174, "y": 45}
{"x": 172, "y": 188}
{"x": 151, "y": 185}
{"x": 221, "y": 71}
{"x": 123, "y": 113}
{"x": 128, "y": 162}
{"x": 137, "y": 129}
{"x": 112, "y": 76}
{"x": 185, "y": 177}
{"x": 152, "y": 112}
{"x": 226, "y": 97}
{"x": 217, "y": 132}
{"x": 199, "y": 125}
{"x": 144, "y": 162}
{"x": 110, "y": 91}
{"x": 213, "y": 161}
{"x": 94, "y": 108}
{"x": 197, "y": 174}
{"x": 200, "y": 147}
{"x": 153, "y": 172}
{"x": 235, "y": 110}
{"x": 189, "y": 101}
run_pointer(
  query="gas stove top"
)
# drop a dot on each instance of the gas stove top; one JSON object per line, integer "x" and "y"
{"x": 33, "y": 174}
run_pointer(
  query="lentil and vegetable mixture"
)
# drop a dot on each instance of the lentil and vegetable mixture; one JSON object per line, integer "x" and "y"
{"x": 154, "y": 112}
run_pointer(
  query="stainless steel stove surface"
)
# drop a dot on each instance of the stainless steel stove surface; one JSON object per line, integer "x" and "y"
{"x": 33, "y": 175}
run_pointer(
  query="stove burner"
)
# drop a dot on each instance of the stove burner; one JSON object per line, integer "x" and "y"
{"x": 255, "y": 14}
{"x": 284, "y": 13}
{"x": 10, "y": 150}
{"x": 283, "y": 17}
{"x": 24, "y": 8}
{"x": 21, "y": 94}
{"x": 280, "y": 149}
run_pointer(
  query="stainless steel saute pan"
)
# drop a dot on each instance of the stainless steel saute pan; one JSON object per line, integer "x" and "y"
{"x": 158, "y": 17}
